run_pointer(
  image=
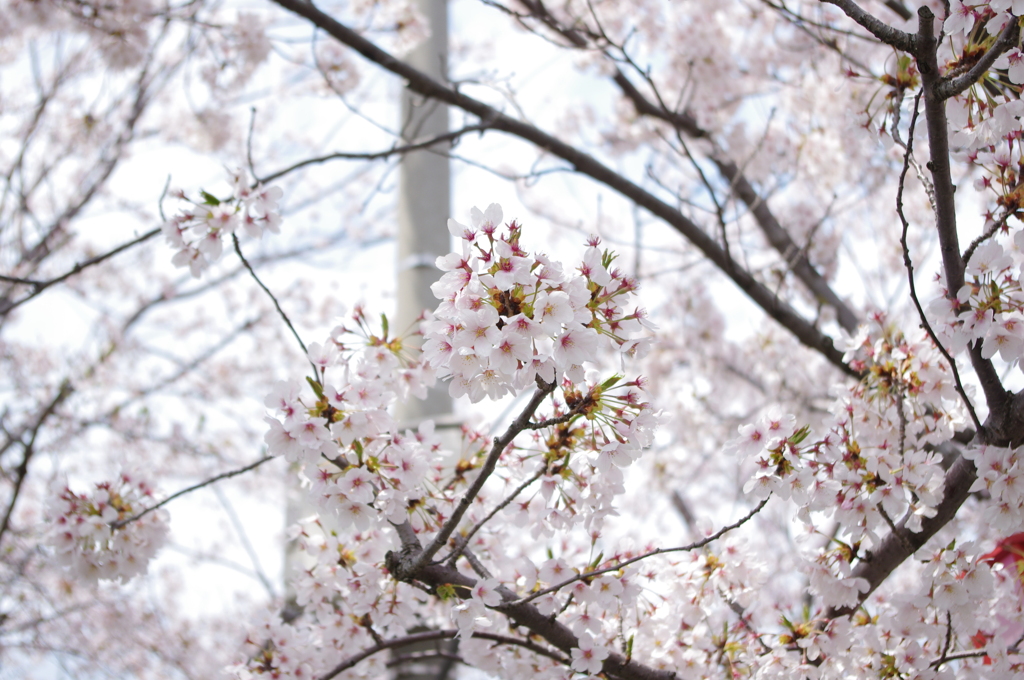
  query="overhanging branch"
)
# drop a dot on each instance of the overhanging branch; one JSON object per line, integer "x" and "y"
{"x": 423, "y": 84}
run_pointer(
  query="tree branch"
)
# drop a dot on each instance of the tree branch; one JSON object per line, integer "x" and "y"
{"x": 996, "y": 396}
{"x": 212, "y": 480}
{"x": 659, "y": 551}
{"x": 1007, "y": 39}
{"x": 29, "y": 450}
{"x": 6, "y": 305}
{"x": 419, "y": 82}
{"x": 881, "y": 30}
{"x": 404, "y": 570}
{"x": 776, "y": 234}
{"x": 376, "y": 155}
{"x": 438, "y": 635}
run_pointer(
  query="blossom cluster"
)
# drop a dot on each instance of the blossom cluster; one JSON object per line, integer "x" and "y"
{"x": 97, "y": 536}
{"x": 507, "y": 318}
{"x": 361, "y": 467}
{"x": 198, "y": 231}
{"x": 1001, "y": 475}
{"x": 875, "y": 465}
{"x": 989, "y": 308}
{"x": 369, "y": 471}
{"x": 508, "y": 321}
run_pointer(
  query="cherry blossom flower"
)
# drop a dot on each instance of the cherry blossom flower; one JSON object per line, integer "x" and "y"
{"x": 588, "y": 657}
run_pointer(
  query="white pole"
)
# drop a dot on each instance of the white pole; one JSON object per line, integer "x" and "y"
{"x": 423, "y": 211}
{"x": 424, "y": 197}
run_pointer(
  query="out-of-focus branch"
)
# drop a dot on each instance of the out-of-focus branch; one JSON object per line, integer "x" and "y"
{"x": 29, "y": 450}
{"x": 37, "y": 287}
{"x": 206, "y": 482}
{"x": 777, "y": 236}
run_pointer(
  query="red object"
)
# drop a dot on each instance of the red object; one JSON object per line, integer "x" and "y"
{"x": 1009, "y": 552}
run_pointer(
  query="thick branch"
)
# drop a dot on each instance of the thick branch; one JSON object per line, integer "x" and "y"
{"x": 881, "y": 30}
{"x": 419, "y": 82}
{"x": 524, "y": 614}
{"x": 436, "y": 635}
{"x": 1005, "y": 423}
{"x": 900, "y": 544}
{"x": 945, "y": 204}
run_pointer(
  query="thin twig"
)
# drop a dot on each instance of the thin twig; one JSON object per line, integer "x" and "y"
{"x": 277, "y": 305}
{"x": 29, "y": 450}
{"x": 659, "y": 551}
{"x": 909, "y": 265}
{"x": 243, "y": 538}
{"x": 233, "y": 473}
{"x": 463, "y": 542}
{"x": 376, "y": 155}
{"x": 989, "y": 233}
{"x": 38, "y": 286}
{"x": 499, "y": 446}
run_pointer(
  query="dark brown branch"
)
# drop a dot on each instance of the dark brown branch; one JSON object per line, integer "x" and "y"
{"x": 881, "y": 30}
{"x": 464, "y": 541}
{"x": 909, "y": 265}
{"x": 525, "y": 614}
{"x": 1005, "y": 422}
{"x": 899, "y": 8}
{"x": 277, "y": 305}
{"x": 497, "y": 448}
{"x": 419, "y": 82}
{"x": 1007, "y": 39}
{"x": 438, "y": 635}
{"x": 996, "y": 396}
{"x": 900, "y": 544}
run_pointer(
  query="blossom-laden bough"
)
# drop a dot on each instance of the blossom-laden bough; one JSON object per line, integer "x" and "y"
{"x": 409, "y": 532}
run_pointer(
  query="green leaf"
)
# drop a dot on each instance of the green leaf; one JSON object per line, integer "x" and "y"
{"x": 384, "y": 324}
{"x": 208, "y": 198}
{"x": 318, "y": 389}
{"x": 446, "y": 591}
{"x": 800, "y": 435}
{"x": 610, "y": 382}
